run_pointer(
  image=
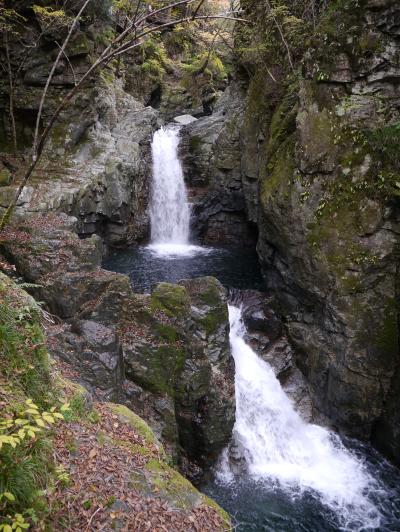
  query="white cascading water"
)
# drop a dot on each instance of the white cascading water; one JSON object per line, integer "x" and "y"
{"x": 169, "y": 209}
{"x": 278, "y": 446}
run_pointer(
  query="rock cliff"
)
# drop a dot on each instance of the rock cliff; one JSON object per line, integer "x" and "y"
{"x": 311, "y": 157}
{"x": 300, "y": 155}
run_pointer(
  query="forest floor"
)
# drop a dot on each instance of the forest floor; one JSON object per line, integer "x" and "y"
{"x": 115, "y": 476}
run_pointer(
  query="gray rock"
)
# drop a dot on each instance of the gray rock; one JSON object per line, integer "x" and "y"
{"x": 211, "y": 154}
{"x": 184, "y": 120}
{"x": 177, "y": 345}
{"x": 94, "y": 351}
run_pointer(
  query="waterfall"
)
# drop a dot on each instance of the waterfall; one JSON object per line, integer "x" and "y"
{"x": 169, "y": 208}
{"x": 279, "y": 448}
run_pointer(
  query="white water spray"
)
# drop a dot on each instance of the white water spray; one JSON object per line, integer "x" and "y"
{"x": 280, "y": 448}
{"x": 169, "y": 209}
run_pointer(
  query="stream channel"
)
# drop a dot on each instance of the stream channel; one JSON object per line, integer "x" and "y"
{"x": 293, "y": 475}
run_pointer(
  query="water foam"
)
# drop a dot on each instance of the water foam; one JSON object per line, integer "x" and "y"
{"x": 178, "y": 250}
{"x": 278, "y": 447}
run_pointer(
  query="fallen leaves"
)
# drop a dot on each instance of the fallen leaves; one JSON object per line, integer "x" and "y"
{"x": 101, "y": 495}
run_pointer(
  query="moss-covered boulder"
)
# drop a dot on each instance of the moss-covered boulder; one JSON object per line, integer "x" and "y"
{"x": 208, "y": 296}
{"x": 171, "y": 299}
{"x": 204, "y": 396}
{"x": 176, "y": 345}
{"x": 157, "y": 477}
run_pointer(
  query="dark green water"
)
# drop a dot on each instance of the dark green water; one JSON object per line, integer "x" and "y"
{"x": 234, "y": 267}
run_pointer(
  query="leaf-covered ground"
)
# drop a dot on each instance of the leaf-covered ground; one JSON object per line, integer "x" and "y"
{"x": 114, "y": 475}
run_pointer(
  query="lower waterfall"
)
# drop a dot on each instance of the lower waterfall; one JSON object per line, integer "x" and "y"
{"x": 278, "y": 449}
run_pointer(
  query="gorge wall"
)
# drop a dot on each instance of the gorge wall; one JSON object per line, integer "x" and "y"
{"x": 311, "y": 157}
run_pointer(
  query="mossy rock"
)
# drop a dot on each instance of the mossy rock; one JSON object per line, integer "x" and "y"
{"x": 208, "y": 294}
{"x": 7, "y": 194}
{"x": 162, "y": 364}
{"x": 161, "y": 480}
{"x": 5, "y": 177}
{"x": 24, "y": 361}
{"x": 277, "y": 180}
{"x": 173, "y": 300}
{"x": 167, "y": 332}
{"x": 213, "y": 320}
{"x": 78, "y": 397}
{"x": 196, "y": 144}
{"x": 137, "y": 423}
{"x": 80, "y": 45}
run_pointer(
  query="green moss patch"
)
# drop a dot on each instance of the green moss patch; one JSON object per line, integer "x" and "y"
{"x": 171, "y": 299}
{"x": 5, "y": 177}
{"x": 24, "y": 361}
{"x": 278, "y": 177}
{"x": 137, "y": 423}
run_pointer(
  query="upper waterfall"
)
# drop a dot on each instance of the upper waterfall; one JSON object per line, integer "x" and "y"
{"x": 169, "y": 207}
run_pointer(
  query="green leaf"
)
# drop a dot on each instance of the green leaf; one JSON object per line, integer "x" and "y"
{"x": 21, "y": 421}
{"x": 9, "y": 496}
{"x": 31, "y": 411}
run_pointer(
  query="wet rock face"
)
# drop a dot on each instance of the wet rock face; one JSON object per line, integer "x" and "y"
{"x": 94, "y": 351}
{"x": 103, "y": 177}
{"x": 97, "y": 163}
{"x": 205, "y": 397}
{"x": 211, "y": 153}
{"x": 181, "y": 348}
{"x": 304, "y": 165}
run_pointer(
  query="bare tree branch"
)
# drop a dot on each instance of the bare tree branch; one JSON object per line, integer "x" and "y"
{"x": 69, "y": 63}
{"x": 50, "y": 77}
{"x": 197, "y": 9}
{"x": 116, "y": 48}
{"x": 280, "y": 30}
{"x": 11, "y": 95}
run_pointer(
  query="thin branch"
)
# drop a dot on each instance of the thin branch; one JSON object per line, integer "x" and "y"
{"x": 289, "y": 53}
{"x": 69, "y": 62}
{"x": 50, "y": 77}
{"x": 11, "y": 95}
{"x": 165, "y": 8}
{"x": 130, "y": 45}
{"x": 197, "y": 9}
